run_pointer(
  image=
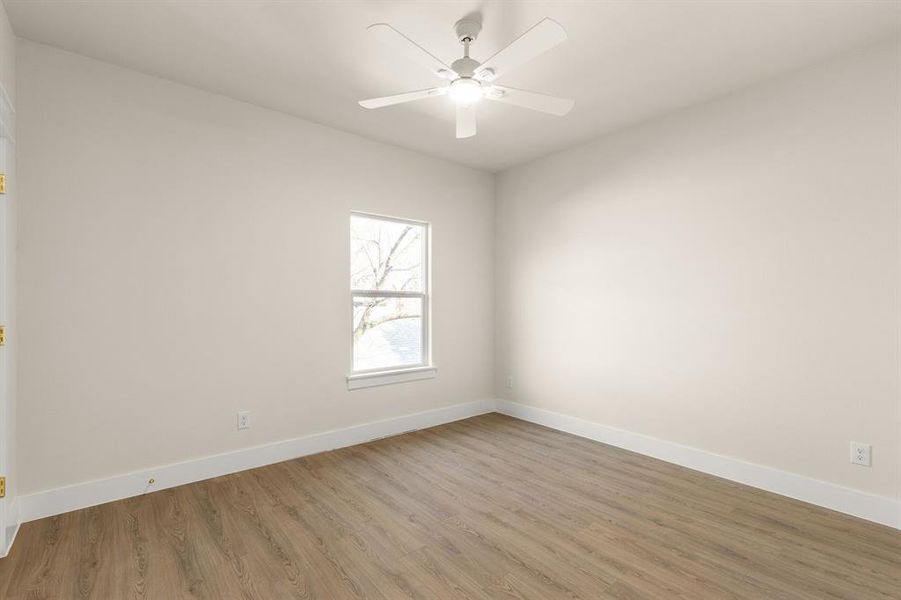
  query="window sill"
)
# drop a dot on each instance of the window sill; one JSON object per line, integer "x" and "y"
{"x": 355, "y": 382}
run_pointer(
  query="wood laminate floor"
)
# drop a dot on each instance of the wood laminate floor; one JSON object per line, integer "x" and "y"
{"x": 489, "y": 507}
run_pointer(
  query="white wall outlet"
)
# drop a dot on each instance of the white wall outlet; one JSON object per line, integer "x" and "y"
{"x": 243, "y": 419}
{"x": 861, "y": 454}
{"x": 509, "y": 382}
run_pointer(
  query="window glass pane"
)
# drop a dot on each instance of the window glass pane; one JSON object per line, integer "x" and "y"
{"x": 386, "y": 255}
{"x": 387, "y": 332}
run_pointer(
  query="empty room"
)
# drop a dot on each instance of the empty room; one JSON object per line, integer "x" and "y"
{"x": 450, "y": 300}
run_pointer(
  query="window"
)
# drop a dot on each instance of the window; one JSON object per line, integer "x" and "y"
{"x": 389, "y": 293}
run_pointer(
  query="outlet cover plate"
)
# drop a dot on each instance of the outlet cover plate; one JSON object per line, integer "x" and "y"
{"x": 861, "y": 454}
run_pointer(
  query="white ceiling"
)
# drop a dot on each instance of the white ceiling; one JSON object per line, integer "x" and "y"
{"x": 625, "y": 61}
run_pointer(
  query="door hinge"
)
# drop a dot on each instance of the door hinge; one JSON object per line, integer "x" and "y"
{"x": 2, "y": 335}
{"x": 2, "y": 487}
{"x": 2, "y": 183}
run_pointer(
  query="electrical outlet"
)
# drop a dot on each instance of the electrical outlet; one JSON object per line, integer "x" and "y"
{"x": 244, "y": 419}
{"x": 509, "y": 382}
{"x": 860, "y": 454}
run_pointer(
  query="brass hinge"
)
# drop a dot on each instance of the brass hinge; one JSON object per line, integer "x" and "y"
{"x": 2, "y": 183}
{"x": 2, "y": 335}
{"x": 2, "y": 487}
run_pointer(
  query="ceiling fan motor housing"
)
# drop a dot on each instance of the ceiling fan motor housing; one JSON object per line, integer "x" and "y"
{"x": 467, "y": 29}
{"x": 465, "y": 67}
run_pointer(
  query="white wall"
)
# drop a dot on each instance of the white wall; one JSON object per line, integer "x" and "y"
{"x": 727, "y": 277}
{"x": 184, "y": 256}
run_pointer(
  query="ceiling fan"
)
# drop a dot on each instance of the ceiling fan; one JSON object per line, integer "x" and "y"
{"x": 470, "y": 80}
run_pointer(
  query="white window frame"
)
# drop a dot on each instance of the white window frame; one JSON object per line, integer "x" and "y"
{"x": 423, "y": 369}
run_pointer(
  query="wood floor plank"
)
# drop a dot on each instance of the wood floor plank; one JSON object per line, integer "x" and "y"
{"x": 489, "y": 507}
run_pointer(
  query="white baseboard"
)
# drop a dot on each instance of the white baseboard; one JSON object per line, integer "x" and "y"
{"x": 879, "y": 509}
{"x": 59, "y": 500}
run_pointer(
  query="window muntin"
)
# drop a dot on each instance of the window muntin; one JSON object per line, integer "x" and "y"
{"x": 389, "y": 293}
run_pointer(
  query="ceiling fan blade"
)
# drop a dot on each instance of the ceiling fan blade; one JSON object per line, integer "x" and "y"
{"x": 542, "y": 37}
{"x": 389, "y": 35}
{"x": 401, "y": 98}
{"x": 466, "y": 121}
{"x": 541, "y": 102}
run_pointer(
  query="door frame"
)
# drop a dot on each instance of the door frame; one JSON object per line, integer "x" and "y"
{"x": 8, "y": 518}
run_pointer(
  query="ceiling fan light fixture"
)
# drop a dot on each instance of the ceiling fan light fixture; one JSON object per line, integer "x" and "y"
{"x": 465, "y": 90}
{"x": 468, "y": 80}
